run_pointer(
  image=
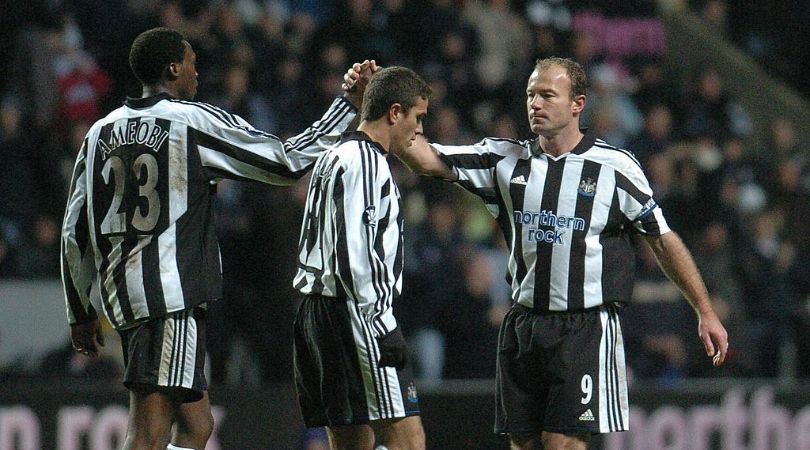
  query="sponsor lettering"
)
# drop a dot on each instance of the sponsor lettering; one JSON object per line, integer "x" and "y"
{"x": 760, "y": 425}
{"x": 532, "y": 220}
{"x": 77, "y": 427}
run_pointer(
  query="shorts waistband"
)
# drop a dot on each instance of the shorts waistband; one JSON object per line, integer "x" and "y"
{"x": 526, "y": 310}
{"x": 322, "y": 297}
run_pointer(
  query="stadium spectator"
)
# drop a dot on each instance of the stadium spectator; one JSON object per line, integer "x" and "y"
{"x": 432, "y": 280}
{"x": 656, "y": 137}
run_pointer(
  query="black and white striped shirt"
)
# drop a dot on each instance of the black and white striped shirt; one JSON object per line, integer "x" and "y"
{"x": 351, "y": 236}
{"x": 567, "y": 219}
{"x": 138, "y": 215}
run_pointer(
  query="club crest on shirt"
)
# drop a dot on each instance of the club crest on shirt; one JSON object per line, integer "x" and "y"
{"x": 412, "y": 393}
{"x": 370, "y": 216}
{"x": 587, "y": 187}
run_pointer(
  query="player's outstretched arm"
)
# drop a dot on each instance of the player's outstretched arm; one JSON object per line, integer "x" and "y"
{"x": 676, "y": 261}
{"x": 423, "y": 159}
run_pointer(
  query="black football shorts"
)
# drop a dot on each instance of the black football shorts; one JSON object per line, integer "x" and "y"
{"x": 167, "y": 353}
{"x": 337, "y": 375}
{"x": 561, "y": 372}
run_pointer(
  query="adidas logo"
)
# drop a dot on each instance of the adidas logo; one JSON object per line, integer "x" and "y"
{"x": 587, "y": 416}
{"x": 519, "y": 180}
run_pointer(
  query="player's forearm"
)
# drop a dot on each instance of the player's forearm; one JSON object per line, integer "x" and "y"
{"x": 374, "y": 298}
{"x": 423, "y": 159}
{"x": 245, "y": 152}
{"x": 300, "y": 152}
{"x": 382, "y": 319}
{"x": 373, "y": 287}
{"x": 676, "y": 261}
{"x": 77, "y": 278}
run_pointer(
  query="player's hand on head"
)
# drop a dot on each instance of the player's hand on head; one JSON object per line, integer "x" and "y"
{"x": 393, "y": 350}
{"x": 353, "y": 74}
{"x": 355, "y": 80}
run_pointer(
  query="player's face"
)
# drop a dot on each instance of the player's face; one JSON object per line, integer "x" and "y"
{"x": 187, "y": 74}
{"x": 408, "y": 126}
{"x": 549, "y": 102}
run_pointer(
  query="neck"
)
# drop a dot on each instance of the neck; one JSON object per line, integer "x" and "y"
{"x": 562, "y": 142}
{"x": 155, "y": 89}
{"x": 378, "y": 132}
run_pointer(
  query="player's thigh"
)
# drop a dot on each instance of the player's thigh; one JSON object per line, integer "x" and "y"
{"x": 151, "y": 413}
{"x": 565, "y": 441}
{"x": 525, "y": 441}
{"x": 400, "y": 434}
{"x": 549, "y": 441}
{"x": 351, "y": 437}
{"x": 194, "y": 419}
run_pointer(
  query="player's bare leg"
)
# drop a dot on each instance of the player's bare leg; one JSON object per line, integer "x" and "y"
{"x": 549, "y": 441}
{"x": 559, "y": 441}
{"x": 400, "y": 434}
{"x": 351, "y": 437}
{"x": 525, "y": 441}
{"x": 151, "y": 414}
{"x": 194, "y": 424}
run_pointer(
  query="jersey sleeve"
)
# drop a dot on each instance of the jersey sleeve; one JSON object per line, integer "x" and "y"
{"x": 230, "y": 147}
{"x": 637, "y": 203}
{"x": 78, "y": 267}
{"x": 474, "y": 165}
{"x": 362, "y": 196}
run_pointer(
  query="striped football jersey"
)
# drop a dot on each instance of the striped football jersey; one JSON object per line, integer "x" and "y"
{"x": 351, "y": 237}
{"x": 567, "y": 219}
{"x": 138, "y": 216}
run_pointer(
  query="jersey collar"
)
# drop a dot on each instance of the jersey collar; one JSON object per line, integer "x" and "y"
{"x": 146, "y": 102}
{"x": 584, "y": 144}
{"x": 361, "y": 136}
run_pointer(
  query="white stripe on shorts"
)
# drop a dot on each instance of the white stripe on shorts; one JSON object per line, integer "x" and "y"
{"x": 177, "y": 357}
{"x": 614, "y": 410}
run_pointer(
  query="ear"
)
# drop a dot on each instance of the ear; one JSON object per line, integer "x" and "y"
{"x": 579, "y": 103}
{"x": 173, "y": 71}
{"x": 394, "y": 113}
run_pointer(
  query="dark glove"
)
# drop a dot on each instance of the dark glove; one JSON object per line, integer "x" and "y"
{"x": 393, "y": 350}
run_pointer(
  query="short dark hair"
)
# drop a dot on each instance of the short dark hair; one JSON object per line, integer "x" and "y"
{"x": 579, "y": 80}
{"x": 395, "y": 84}
{"x": 153, "y": 51}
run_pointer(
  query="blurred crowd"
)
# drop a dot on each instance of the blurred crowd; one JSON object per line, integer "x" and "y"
{"x": 742, "y": 209}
